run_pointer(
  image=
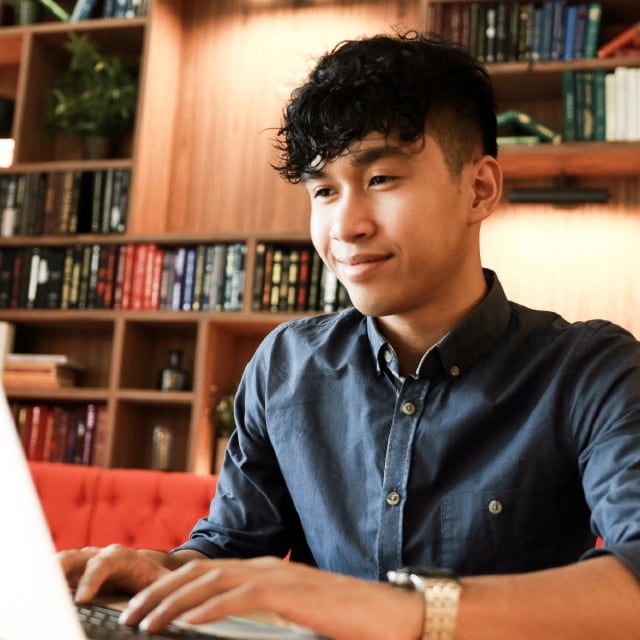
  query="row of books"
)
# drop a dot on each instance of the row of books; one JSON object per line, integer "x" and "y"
{"x": 51, "y": 433}
{"x": 520, "y": 31}
{"x": 61, "y": 202}
{"x": 130, "y": 276}
{"x": 85, "y": 9}
{"x": 601, "y": 105}
{"x": 292, "y": 278}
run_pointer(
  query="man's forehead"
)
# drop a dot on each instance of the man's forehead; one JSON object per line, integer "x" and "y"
{"x": 372, "y": 147}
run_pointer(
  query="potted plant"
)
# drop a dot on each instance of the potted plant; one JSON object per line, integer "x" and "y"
{"x": 95, "y": 97}
{"x": 224, "y": 424}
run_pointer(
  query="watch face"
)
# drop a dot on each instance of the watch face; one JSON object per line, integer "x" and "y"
{"x": 402, "y": 577}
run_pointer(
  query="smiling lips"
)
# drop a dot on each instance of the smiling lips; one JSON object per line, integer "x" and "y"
{"x": 360, "y": 266}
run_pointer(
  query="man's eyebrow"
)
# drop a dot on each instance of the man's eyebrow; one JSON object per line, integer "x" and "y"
{"x": 360, "y": 158}
{"x": 368, "y": 156}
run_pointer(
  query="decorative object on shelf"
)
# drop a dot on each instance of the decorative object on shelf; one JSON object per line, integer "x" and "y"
{"x": 95, "y": 97}
{"x": 174, "y": 377}
{"x": 161, "y": 448}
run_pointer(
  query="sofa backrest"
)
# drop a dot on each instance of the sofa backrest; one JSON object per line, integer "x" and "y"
{"x": 91, "y": 506}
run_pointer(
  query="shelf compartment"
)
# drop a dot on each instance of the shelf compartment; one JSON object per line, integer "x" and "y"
{"x": 133, "y": 443}
{"x": 48, "y": 57}
{"x": 88, "y": 342}
{"x": 145, "y": 352}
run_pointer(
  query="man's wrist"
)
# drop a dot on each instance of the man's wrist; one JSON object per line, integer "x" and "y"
{"x": 441, "y": 593}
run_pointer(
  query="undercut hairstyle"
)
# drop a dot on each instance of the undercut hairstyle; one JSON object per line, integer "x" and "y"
{"x": 410, "y": 85}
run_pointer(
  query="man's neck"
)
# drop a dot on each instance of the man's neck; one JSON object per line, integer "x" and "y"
{"x": 411, "y": 335}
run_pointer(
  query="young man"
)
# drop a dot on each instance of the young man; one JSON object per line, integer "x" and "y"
{"x": 435, "y": 424}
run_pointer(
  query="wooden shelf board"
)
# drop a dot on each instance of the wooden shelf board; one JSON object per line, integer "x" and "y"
{"x": 69, "y": 394}
{"x": 152, "y": 396}
{"x": 575, "y": 159}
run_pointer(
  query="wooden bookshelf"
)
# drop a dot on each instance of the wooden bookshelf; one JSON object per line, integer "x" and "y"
{"x": 212, "y": 86}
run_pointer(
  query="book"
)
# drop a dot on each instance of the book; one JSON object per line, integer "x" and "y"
{"x": 628, "y": 38}
{"x": 582, "y": 17}
{"x": 36, "y": 361}
{"x": 593, "y": 29}
{"x": 570, "y": 32}
{"x": 7, "y": 335}
{"x": 568, "y": 105}
{"x": 523, "y": 139}
{"x": 82, "y": 10}
{"x": 599, "y": 104}
{"x": 526, "y": 122}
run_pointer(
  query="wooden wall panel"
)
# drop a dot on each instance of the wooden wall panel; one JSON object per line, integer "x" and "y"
{"x": 238, "y": 67}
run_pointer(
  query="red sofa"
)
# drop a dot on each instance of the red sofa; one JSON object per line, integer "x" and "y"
{"x": 91, "y": 506}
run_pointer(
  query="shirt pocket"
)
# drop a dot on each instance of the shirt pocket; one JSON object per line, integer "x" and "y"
{"x": 504, "y": 530}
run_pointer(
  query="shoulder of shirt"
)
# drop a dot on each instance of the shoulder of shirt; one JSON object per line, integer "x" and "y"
{"x": 323, "y": 321}
{"x": 587, "y": 329}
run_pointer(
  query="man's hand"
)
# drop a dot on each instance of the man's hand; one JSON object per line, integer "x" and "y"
{"x": 116, "y": 568}
{"x": 335, "y": 605}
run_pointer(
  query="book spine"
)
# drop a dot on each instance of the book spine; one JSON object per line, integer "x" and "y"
{"x": 82, "y": 10}
{"x": 198, "y": 277}
{"x": 593, "y": 29}
{"x": 610, "y": 107}
{"x": 599, "y": 105}
{"x": 258, "y": 276}
{"x": 569, "y": 105}
{"x": 570, "y": 33}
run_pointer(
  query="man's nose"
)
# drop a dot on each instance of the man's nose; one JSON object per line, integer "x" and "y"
{"x": 352, "y": 217}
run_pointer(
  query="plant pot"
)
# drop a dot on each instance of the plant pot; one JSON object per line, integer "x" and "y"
{"x": 97, "y": 147}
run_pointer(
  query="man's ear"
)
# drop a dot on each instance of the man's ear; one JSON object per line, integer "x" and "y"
{"x": 486, "y": 187}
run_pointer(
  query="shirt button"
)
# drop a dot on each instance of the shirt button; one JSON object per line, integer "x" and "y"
{"x": 387, "y": 356}
{"x": 495, "y": 507}
{"x": 393, "y": 498}
{"x": 408, "y": 408}
{"x": 454, "y": 370}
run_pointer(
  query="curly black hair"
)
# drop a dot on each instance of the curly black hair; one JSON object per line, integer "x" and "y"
{"x": 407, "y": 84}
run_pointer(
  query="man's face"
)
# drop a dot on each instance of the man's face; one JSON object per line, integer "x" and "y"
{"x": 393, "y": 224}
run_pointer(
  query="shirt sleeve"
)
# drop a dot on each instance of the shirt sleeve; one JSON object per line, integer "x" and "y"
{"x": 252, "y": 513}
{"x": 605, "y": 414}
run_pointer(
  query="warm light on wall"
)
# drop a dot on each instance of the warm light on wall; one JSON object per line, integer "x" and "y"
{"x": 582, "y": 263}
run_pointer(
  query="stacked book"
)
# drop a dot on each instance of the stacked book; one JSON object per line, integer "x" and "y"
{"x": 40, "y": 371}
{"x": 520, "y": 127}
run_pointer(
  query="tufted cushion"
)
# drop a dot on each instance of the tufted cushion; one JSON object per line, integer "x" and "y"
{"x": 67, "y": 494}
{"x": 149, "y": 509}
{"x": 139, "y": 508}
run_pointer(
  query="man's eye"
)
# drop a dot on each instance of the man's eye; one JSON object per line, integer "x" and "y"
{"x": 375, "y": 180}
{"x": 323, "y": 192}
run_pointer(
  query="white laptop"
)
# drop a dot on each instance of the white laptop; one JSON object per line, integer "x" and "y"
{"x": 35, "y": 602}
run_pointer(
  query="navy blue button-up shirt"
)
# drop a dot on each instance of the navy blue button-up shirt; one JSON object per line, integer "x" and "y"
{"x": 515, "y": 443}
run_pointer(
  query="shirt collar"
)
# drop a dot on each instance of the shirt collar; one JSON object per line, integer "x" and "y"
{"x": 467, "y": 341}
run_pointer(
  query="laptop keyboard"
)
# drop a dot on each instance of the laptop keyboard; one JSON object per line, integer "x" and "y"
{"x": 101, "y": 623}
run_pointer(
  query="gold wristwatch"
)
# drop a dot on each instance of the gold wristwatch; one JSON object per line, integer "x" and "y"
{"x": 441, "y": 589}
